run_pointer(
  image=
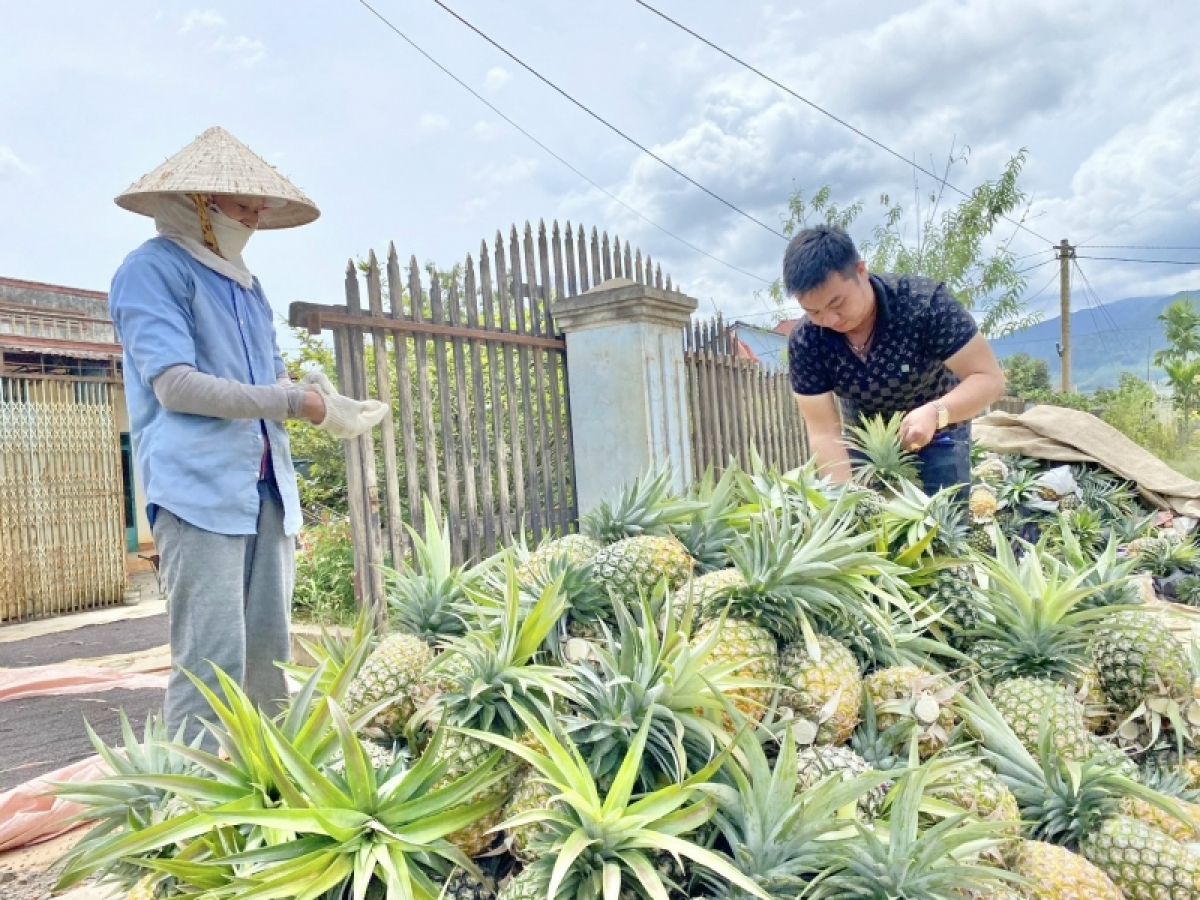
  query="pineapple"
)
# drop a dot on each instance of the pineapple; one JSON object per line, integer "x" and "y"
{"x": 962, "y": 610}
{"x": 1138, "y": 660}
{"x": 815, "y": 764}
{"x": 884, "y": 465}
{"x": 970, "y": 785}
{"x": 709, "y": 530}
{"x": 531, "y": 793}
{"x": 991, "y": 471}
{"x": 463, "y": 885}
{"x": 752, "y": 652}
{"x": 529, "y": 884}
{"x": 1187, "y": 590}
{"x": 823, "y": 686}
{"x": 1166, "y": 554}
{"x": 636, "y": 565}
{"x": 983, "y": 503}
{"x": 644, "y": 507}
{"x": 486, "y": 680}
{"x": 393, "y": 672}
{"x": 1181, "y": 830}
{"x": 980, "y": 540}
{"x": 1024, "y": 702}
{"x": 567, "y": 563}
{"x": 1076, "y": 805}
{"x": 910, "y": 693}
{"x": 709, "y": 592}
{"x": 1055, "y": 873}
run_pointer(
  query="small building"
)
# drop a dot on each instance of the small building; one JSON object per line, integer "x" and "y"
{"x": 766, "y": 347}
{"x": 69, "y": 513}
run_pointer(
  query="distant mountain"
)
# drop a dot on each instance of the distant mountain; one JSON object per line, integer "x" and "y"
{"x": 1105, "y": 341}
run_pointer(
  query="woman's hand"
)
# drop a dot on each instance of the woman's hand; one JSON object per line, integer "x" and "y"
{"x": 918, "y": 427}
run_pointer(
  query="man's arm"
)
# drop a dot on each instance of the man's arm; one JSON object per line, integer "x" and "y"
{"x": 183, "y": 389}
{"x": 981, "y": 384}
{"x": 824, "y": 427}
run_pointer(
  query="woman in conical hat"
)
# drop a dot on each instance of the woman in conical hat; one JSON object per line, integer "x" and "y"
{"x": 208, "y": 395}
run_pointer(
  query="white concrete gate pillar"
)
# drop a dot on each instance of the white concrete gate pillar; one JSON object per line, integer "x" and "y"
{"x": 628, "y": 385}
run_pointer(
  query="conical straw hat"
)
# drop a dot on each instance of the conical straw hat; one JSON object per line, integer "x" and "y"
{"x": 218, "y": 163}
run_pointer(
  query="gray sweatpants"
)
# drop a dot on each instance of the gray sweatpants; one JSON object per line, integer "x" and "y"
{"x": 229, "y": 603}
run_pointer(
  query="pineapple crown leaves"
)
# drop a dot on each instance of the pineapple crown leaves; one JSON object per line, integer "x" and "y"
{"x": 902, "y": 859}
{"x": 491, "y": 674}
{"x": 362, "y": 827}
{"x": 816, "y": 567}
{"x": 1038, "y": 626}
{"x": 425, "y": 598}
{"x": 710, "y": 528}
{"x": 640, "y": 676}
{"x": 644, "y": 507}
{"x": 594, "y": 846}
{"x": 336, "y": 651}
{"x": 886, "y": 462}
{"x": 915, "y": 522}
{"x": 116, "y": 803}
{"x": 778, "y": 835}
{"x": 1063, "y": 800}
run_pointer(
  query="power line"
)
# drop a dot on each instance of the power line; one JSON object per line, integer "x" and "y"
{"x": 1161, "y": 262}
{"x": 1128, "y": 247}
{"x": 1036, "y": 266}
{"x": 825, "y": 112}
{"x": 547, "y": 150}
{"x": 609, "y": 125}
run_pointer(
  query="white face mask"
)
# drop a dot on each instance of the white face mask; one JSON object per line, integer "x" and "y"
{"x": 232, "y": 236}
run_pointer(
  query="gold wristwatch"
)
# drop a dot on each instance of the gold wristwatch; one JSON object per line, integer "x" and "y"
{"x": 943, "y": 418}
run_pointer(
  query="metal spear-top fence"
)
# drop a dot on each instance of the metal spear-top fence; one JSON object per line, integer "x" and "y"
{"x": 475, "y": 373}
{"x": 737, "y": 404}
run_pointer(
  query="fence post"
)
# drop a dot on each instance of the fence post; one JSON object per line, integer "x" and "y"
{"x": 628, "y": 384}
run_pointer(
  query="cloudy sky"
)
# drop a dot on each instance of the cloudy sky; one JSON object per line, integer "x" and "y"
{"x": 1104, "y": 96}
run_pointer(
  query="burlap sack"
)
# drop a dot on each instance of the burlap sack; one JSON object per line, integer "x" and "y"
{"x": 1070, "y": 435}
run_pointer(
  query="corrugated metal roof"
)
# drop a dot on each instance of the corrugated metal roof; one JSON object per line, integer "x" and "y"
{"x": 769, "y": 347}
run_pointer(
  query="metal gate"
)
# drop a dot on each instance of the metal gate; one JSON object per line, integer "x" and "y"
{"x": 476, "y": 375}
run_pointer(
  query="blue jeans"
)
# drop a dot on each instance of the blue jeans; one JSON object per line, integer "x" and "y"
{"x": 944, "y": 462}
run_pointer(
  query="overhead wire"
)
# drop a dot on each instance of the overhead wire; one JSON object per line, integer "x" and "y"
{"x": 1127, "y": 247}
{"x": 552, "y": 153}
{"x": 1161, "y": 262}
{"x": 609, "y": 125}
{"x": 862, "y": 134}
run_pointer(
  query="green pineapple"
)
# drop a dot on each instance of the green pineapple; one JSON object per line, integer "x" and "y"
{"x": 1023, "y": 702}
{"x": 817, "y": 763}
{"x": 393, "y": 672}
{"x": 1076, "y": 804}
{"x": 636, "y": 565}
{"x": 528, "y": 884}
{"x": 1165, "y": 555}
{"x": 822, "y": 686}
{"x": 1138, "y": 658}
{"x": 532, "y": 793}
{"x": 913, "y": 694}
{"x": 486, "y": 679}
{"x": 465, "y": 885}
{"x": 1187, "y": 590}
{"x": 955, "y": 598}
{"x": 886, "y": 465}
{"x": 980, "y": 540}
{"x": 710, "y": 591}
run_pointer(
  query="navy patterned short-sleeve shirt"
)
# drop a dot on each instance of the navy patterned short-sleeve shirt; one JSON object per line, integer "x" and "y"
{"x": 919, "y": 326}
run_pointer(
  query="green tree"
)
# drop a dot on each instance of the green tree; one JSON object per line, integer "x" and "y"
{"x": 1181, "y": 327}
{"x": 1027, "y": 377}
{"x": 957, "y": 245}
{"x": 1130, "y": 409}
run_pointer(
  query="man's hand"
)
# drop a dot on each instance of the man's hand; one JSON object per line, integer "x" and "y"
{"x": 918, "y": 427}
{"x": 341, "y": 416}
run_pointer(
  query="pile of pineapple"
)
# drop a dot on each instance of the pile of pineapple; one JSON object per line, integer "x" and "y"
{"x": 772, "y": 687}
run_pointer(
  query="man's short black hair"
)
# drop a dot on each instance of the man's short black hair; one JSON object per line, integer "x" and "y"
{"x": 815, "y": 254}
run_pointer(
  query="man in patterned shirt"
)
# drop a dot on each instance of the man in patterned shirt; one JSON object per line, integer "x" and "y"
{"x": 882, "y": 345}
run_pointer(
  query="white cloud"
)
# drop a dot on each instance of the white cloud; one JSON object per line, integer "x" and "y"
{"x": 517, "y": 170}
{"x": 10, "y": 162}
{"x": 496, "y": 78}
{"x": 246, "y": 51}
{"x": 433, "y": 122}
{"x": 201, "y": 18}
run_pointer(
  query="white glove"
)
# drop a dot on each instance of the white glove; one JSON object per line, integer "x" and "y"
{"x": 344, "y": 418}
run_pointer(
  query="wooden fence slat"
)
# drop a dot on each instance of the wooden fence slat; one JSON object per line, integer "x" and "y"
{"x": 627, "y": 268}
{"x": 490, "y": 322}
{"x": 408, "y": 441}
{"x": 446, "y": 418}
{"x": 433, "y": 487}
{"x": 606, "y": 260}
{"x": 387, "y": 428}
{"x": 520, "y": 292}
{"x": 512, "y": 403}
{"x": 571, "y": 287}
{"x": 597, "y": 274}
{"x": 469, "y": 514}
{"x": 562, "y": 517}
{"x": 538, "y": 272}
{"x": 581, "y": 249}
{"x": 483, "y": 452}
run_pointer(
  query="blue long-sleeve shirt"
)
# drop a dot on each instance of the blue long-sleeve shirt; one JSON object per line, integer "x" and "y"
{"x": 169, "y": 310}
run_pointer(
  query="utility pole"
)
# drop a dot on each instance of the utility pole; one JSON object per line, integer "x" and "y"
{"x": 1065, "y": 254}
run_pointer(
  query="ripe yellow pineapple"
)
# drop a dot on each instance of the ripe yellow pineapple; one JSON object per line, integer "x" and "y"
{"x": 911, "y": 693}
{"x": 754, "y": 649}
{"x": 823, "y": 686}
{"x": 983, "y": 503}
{"x": 636, "y": 565}
{"x": 1056, "y": 873}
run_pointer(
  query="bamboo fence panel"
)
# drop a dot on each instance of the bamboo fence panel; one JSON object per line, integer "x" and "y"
{"x": 62, "y": 512}
{"x": 476, "y": 375}
{"x": 737, "y": 407}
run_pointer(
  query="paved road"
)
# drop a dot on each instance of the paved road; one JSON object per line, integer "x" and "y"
{"x": 41, "y": 734}
{"x": 125, "y": 636}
